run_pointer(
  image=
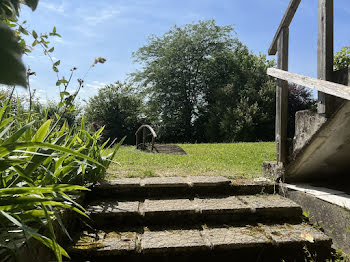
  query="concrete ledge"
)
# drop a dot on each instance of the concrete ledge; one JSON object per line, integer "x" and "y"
{"x": 329, "y": 209}
{"x": 273, "y": 170}
{"x": 231, "y": 210}
{"x": 249, "y": 243}
{"x": 175, "y": 187}
{"x": 307, "y": 123}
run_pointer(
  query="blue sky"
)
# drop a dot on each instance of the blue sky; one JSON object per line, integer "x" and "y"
{"x": 115, "y": 28}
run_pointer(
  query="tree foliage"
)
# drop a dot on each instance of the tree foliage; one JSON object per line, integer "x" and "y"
{"x": 12, "y": 70}
{"x": 203, "y": 84}
{"x": 241, "y": 104}
{"x": 342, "y": 58}
{"x": 117, "y": 109}
{"x": 176, "y": 73}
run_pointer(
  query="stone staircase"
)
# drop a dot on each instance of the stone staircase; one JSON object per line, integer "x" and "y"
{"x": 168, "y": 219}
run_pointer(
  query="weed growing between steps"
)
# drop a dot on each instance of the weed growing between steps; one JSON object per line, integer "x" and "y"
{"x": 230, "y": 160}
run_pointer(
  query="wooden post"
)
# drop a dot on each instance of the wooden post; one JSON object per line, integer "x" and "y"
{"x": 282, "y": 96}
{"x": 137, "y": 140}
{"x": 144, "y": 137}
{"x": 326, "y": 104}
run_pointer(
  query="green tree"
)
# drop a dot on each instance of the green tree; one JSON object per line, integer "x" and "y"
{"x": 342, "y": 58}
{"x": 118, "y": 109}
{"x": 12, "y": 70}
{"x": 175, "y": 75}
{"x": 241, "y": 101}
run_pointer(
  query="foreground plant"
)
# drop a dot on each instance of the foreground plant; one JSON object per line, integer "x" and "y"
{"x": 39, "y": 172}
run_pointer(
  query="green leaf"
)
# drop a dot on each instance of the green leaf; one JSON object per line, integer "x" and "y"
{"x": 4, "y": 123}
{"x": 57, "y": 63}
{"x": 51, "y": 49}
{"x": 55, "y": 69}
{"x": 62, "y": 81}
{"x": 64, "y": 93}
{"x": 7, "y": 149}
{"x": 35, "y": 35}
{"x": 31, "y": 3}
{"x": 12, "y": 70}
{"x": 42, "y": 190}
{"x": 46, "y": 241}
{"x": 17, "y": 134}
{"x": 23, "y": 30}
{"x": 41, "y": 133}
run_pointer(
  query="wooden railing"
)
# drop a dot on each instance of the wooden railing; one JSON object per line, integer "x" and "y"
{"x": 327, "y": 87}
{"x": 280, "y": 45}
{"x": 144, "y": 129}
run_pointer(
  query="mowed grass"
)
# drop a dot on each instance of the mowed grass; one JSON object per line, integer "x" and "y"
{"x": 230, "y": 160}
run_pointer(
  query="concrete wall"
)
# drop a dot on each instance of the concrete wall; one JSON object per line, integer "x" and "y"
{"x": 333, "y": 219}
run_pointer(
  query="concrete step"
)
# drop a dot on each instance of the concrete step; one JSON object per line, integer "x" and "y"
{"x": 248, "y": 243}
{"x": 230, "y": 209}
{"x": 156, "y": 187}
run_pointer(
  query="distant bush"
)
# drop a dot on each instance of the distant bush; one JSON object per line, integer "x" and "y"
{"x": 116, "y": 108}
{"x": 342, "y": 58}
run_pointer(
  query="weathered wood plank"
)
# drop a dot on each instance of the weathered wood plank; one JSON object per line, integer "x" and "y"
{"x": 286, "y": 20}
{"x": 282, "y": 97}
{"x": 149, "y": 128}
{"x": 325, "y": 52}
{"x": 327, "y": 87}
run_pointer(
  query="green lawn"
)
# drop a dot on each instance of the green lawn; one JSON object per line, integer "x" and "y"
{"x": 230, "y": 160}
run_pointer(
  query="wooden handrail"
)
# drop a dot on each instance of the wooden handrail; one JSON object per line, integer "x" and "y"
{"x": 280, "y": 45}
{"x": 286, "y": 20}
{"x": 144, "y": 127}
{"x": 327, "y": 87}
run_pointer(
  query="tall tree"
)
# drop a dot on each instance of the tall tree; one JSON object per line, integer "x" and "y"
{"x": 118, "y": 109}
{"x": 241, "y": 103}
{"x": 176, "y": 71}
{"x": 203, "y": 85}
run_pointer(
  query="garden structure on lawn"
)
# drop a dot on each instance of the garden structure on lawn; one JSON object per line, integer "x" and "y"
{"x": 152, "y": 146}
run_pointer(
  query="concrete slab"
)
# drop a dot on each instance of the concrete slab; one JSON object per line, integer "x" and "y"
{"x": 336, "y": 197}
{"x": 167, "y": 243}
{"x": 172, "y": 205}
{"x": 207, "y": 180}
{"x": 267, "y": 201}
{"x": 235, "y": 237}
{"x": 282, "y": 234}
{"x": 115, "y": 207}
{"x": 164, "y": 182}
{"x": 121, "y": 182}
{"x": 106, "y": 243}
{"x": 208, "y": 205}
{"x": 332, "y": 216}
{"x": 172, "y": 240}
{"x": 328, "y": 152}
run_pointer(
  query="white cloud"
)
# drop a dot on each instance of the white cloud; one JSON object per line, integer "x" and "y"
{"x": 96, "y": 85}
{"x": 41, "y": 91}
{"x": 102, "y": 16}
{"x": 52, "y": 7}
{"x": 59, "y": 40}
{"x": 98, "y": 17}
